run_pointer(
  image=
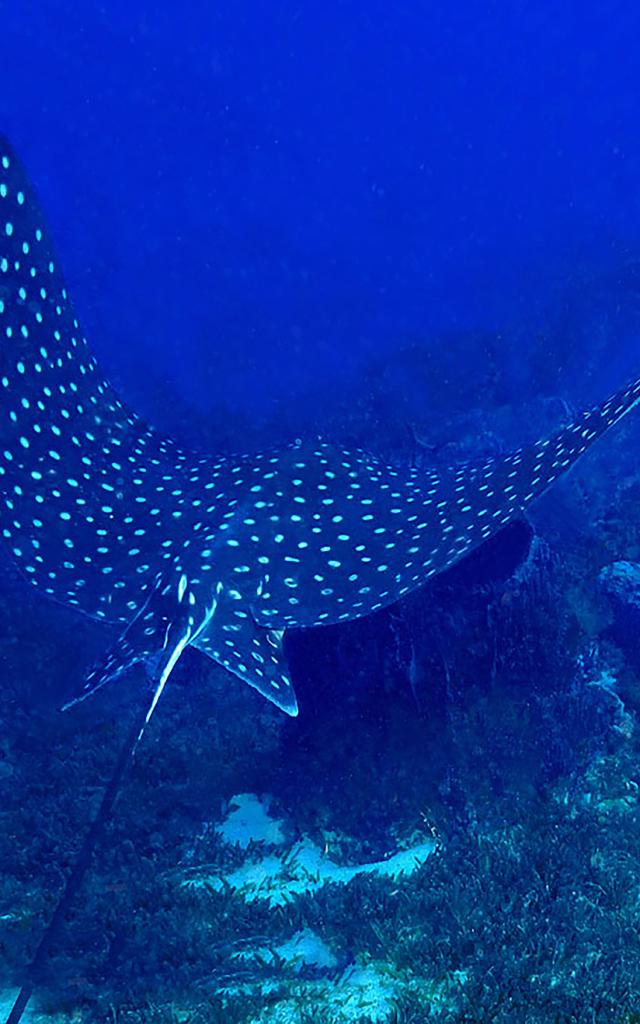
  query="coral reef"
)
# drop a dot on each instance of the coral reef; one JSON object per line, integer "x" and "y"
{"x": 451, "y": 832}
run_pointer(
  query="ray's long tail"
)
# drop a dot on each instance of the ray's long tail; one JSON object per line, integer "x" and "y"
{"x": 79, "y": 869}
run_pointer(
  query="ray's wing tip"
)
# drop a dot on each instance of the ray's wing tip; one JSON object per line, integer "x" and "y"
{"x": 7, "y": 150}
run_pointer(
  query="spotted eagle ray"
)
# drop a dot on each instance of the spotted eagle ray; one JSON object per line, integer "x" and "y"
{"x": 102, "y": 512}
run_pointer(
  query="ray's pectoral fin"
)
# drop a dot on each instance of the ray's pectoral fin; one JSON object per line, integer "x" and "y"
{"x": 157, "y": 635}
{"x": 251, "y": 652}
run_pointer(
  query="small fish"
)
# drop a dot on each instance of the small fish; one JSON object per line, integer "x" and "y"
{"x": 102, "y": 512}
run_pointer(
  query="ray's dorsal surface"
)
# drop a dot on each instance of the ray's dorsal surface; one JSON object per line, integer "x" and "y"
{"x": 103, "y": 513}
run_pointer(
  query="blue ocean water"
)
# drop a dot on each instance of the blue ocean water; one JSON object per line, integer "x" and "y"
{"x": 408, "y": 229}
